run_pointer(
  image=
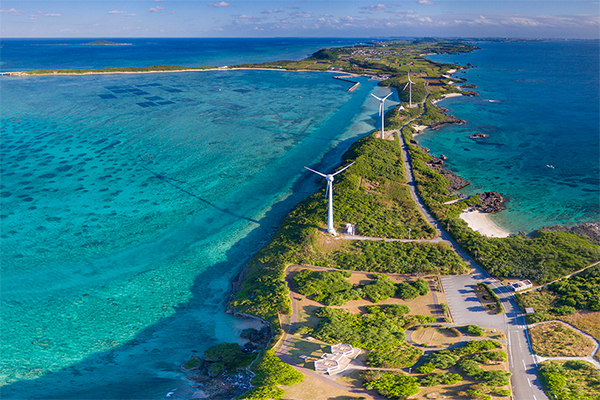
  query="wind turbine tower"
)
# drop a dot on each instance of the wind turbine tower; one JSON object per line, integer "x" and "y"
{"x": 409, "y": 84}
{"x": 329, "y": 194}
{"x": 381, "y": 110}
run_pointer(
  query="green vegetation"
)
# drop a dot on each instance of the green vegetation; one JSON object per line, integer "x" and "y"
{"x": 264, "y": 292}
{"x": 401, "y": 356}
{"x": 542, "y": 257}
{"x": 380, "y": 290}
{"x": 370, "y": 331}
{"x": 564, "y": 297}
{"x": 499, "y": 308}
{"x": 570, "y": 380}
{"x": 419, "y": 89}
{"x": 441, "y": 378}
{"x": 332, "y": 288}
{"x": 396, "y": 257}
{"x": 581, "y": 292}
{"x": 466, "y": 359}
{"x": 327, "y": 287}
{"x": 226, "y": 357}
{"x": 270, "y": 373}
{"x": 391, "y": 385}
{"x": 474, "y": 330}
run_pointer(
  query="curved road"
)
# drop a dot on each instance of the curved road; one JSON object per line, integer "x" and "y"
{"x": 466, "y": 308}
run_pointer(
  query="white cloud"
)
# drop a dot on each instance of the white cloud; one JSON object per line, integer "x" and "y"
{"x": 221, "y": 4}
{"x": 277, "y": 10}
{"x": 116, "y": 12}
{"x": 301, "y": 14}
{"x": 373, "y": 7}
{"x": 293, "y": 7}
{"x": 156, "y": 9}
{"x": 426, "y": 2}
{"x": 12, "y": 11}
{"x": 130, "y": 15}
{"x": 53, "y": 15}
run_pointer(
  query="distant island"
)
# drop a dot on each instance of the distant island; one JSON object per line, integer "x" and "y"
{"x": 106, "y": 43}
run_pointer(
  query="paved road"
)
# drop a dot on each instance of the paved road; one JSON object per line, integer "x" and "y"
{"x": 466, "y": 308}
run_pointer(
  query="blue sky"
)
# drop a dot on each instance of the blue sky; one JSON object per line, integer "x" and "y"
{"x": 323, "y": 18}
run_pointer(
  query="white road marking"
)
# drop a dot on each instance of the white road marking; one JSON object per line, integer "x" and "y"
{"x": 528, "y": 381}
{"x": 524, "y": 366}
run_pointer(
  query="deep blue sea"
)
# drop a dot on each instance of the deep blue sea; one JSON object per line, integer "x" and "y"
{"x": 538, "y": 102}
{"x": 130, "y": 201}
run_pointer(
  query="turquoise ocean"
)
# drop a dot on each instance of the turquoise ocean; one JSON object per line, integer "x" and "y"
{"x": 130, "y": 201}
{"x": 538, "y": 103}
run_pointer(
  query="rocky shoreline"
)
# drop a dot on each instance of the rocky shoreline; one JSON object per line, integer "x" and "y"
{"x": 590, "y": 229}
{"x": 456, "y": 182}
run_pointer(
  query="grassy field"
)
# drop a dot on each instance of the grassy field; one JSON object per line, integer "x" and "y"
{"x": 435, "y": 337}
{"x": 555, "y": 339}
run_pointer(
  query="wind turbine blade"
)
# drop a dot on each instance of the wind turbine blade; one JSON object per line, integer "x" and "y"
{"x": 387, "y": 96}
{"x": 327, "y": 190}
{"x": 343, "y": 169}
{"x": 380, "y": 108}
{"x": 375, "y": 97}
{"x": 316, "y": 172}
{"x": 408, "y": 83}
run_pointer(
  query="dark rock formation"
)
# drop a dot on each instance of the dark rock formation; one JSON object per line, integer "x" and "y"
{"x": 491, "y": 202}
{"x": 456, "y": 182}
{"x": 448, "y": 119}
{"x": 470, "y": 86}
{"x": 590, "y": 230}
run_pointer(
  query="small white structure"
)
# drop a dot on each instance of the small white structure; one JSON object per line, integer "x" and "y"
{"x": 332, "y": 362}
{"x": 350, "y": 229}
{"x": 519, "y": 286}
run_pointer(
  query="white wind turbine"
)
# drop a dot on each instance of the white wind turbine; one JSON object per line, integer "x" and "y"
{"x": 381, "y": 110}
{"x": 329, "y": 193}
{"x": 409, "y": 84}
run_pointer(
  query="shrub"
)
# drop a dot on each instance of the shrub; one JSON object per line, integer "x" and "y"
{"x": 425, "y": 368}
{"x": 398, "y": 386}
{"x": 397, "y": 310}
{"x": 401, "y": 356}
{"x": 537, "y": 317}
{"x": 563, "y": 310}
{"x": 474, "y": 330}
{"x": 443, "y": 359}
{"x": 381, "y": 289}
{"x": 406, "y": 291}
{"x": 422, "y": 286}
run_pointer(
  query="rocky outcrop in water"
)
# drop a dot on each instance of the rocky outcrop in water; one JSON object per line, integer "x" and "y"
{"x": 491, "y": 202}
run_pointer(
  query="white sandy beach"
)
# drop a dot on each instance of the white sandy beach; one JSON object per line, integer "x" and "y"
{"x": 480, "y": 222}
{"x": 445, "y": 96}
{"x": 419, "y": 128}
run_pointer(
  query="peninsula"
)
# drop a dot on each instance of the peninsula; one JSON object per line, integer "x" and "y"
{"x": 413, "y": 238}
{"x": 413, "y": 289}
